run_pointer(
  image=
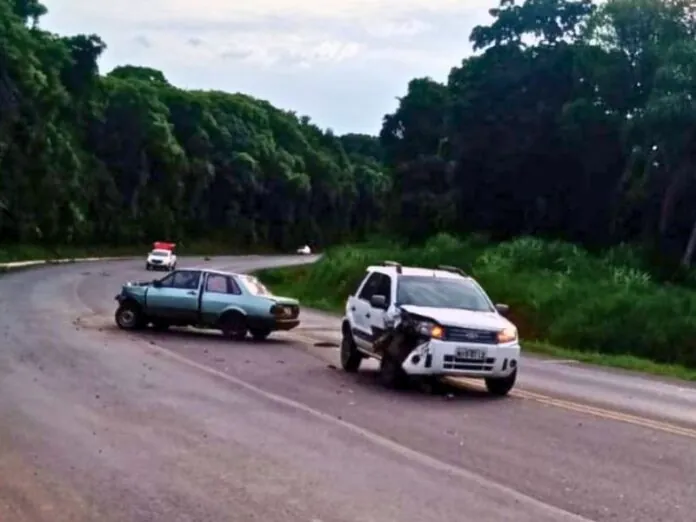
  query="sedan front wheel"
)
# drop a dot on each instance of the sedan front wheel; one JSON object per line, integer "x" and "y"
{"x": 129, "y": 317}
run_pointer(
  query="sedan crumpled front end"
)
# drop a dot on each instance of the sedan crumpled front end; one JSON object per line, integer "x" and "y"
{"x": 133, "y": 289}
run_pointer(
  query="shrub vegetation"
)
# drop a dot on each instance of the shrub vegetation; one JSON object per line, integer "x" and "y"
{"x": 558, "y": 292}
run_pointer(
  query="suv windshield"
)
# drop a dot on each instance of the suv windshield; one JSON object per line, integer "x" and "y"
{"x": 160, "y": 253}
{"x": 438, "y": 292}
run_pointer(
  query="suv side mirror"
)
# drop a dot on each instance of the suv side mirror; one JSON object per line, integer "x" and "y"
{"x": 156, "y": 283}
{"x": 379, "y": 301}
{"x": 503, "y": 309}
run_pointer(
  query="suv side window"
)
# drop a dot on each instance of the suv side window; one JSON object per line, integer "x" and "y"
{"x": 370, "y": 287}
{"x": 384, "y": 287}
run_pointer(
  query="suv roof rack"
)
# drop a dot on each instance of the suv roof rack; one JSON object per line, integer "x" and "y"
{"x": 453, "y": 269}
{"x": 396, "y": 265}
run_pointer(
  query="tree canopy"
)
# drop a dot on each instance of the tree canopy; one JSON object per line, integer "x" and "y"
{"x": 127, "y": 157}
{"x": 572, "y": 119}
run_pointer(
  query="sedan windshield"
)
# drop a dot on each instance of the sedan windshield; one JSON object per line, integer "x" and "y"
{"x": 436, "y": 292}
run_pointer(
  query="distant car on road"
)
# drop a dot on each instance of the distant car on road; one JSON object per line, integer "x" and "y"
{"x": 429, "y": 323}
{"x": 211, "y": 299}
{"x": 161, "y": 257}
{"x": 305, "y": 250}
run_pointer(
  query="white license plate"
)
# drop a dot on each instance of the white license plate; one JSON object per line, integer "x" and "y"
{"x": 471, "y": 353}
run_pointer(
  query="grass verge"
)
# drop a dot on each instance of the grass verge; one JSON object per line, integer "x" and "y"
{"x": 605, "y": 311}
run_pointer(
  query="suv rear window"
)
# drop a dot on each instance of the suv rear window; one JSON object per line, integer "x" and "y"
{"x": 437, "y": 292}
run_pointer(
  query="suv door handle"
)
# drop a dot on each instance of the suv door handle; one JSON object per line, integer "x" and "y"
{"x": 367, "y": 315}
{"x": 352, "y": 309}
{"x": 192, "y": 292}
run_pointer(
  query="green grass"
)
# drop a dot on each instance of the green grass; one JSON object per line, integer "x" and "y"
{"x": 605, "y": 310}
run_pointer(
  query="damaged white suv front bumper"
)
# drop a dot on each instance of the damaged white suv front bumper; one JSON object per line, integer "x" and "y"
{"x": 446, "y": 358}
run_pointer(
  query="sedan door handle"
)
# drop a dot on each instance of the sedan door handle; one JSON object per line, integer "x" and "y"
{"x": 192, "y": 292}
{"x": 367, "y": 315}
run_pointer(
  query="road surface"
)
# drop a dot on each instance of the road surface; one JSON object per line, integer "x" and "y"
{"x": 97, "y": 424}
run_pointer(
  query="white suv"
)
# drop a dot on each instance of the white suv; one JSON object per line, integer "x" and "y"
{"x": 456, "y": 329}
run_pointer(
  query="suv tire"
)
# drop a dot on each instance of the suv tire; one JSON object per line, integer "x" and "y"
{"x": 391, "y": 374}
{"x": 501, "y": 386}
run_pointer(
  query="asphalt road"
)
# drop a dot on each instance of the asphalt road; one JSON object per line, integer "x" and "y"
{"x": 99, "y": 424}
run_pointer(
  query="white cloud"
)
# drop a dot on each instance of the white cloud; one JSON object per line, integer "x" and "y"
{"x": 305, "y": 55}
{"x": 390, "y": 29}
{"x": 254, "y": 47}
{"x": 219, "y": 10}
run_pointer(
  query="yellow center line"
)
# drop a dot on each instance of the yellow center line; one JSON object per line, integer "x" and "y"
{"x": 594, "y": 411}
{"x": 577, "y": 407}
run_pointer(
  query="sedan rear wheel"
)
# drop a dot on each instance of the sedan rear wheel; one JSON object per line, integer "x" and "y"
{"x": 233, "y": 326}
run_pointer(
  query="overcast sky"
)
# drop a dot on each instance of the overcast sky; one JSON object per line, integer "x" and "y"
{"x": 341, "y": 62}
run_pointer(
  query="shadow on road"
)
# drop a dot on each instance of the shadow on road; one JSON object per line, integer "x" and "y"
{"x": 414, "y": 389}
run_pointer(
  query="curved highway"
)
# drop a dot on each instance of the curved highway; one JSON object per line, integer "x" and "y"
{"x": 100, "y": 424}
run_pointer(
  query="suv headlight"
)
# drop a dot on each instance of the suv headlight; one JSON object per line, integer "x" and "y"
{"x": 430, "y": 329}
{"x": 507, "y": 335}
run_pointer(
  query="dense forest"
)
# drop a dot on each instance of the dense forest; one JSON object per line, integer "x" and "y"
{"x": 571, "y": 120}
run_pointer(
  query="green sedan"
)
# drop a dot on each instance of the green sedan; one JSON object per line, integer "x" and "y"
{"x": 236, "y": 304}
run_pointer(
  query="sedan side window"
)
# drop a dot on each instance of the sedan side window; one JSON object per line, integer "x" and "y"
{"x": 233, "y": 286}
{"x": 168, "y": 282}
{"x": 216, "y": 284}
{"x": 187, "y": 279}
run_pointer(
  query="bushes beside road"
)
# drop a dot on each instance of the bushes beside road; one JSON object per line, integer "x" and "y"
{"x": 559, "y": 293}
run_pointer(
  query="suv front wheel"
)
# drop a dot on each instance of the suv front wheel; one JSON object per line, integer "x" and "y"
{"x": 501, "y": 386}
{"x": 391, "y": 374}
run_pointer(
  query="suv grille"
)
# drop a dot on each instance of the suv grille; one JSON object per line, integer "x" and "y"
{"x": 451, "y": 362}
{"x": 470, "y": 335}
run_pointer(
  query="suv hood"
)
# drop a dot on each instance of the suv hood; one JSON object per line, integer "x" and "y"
{"x": 461, "y": 317}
